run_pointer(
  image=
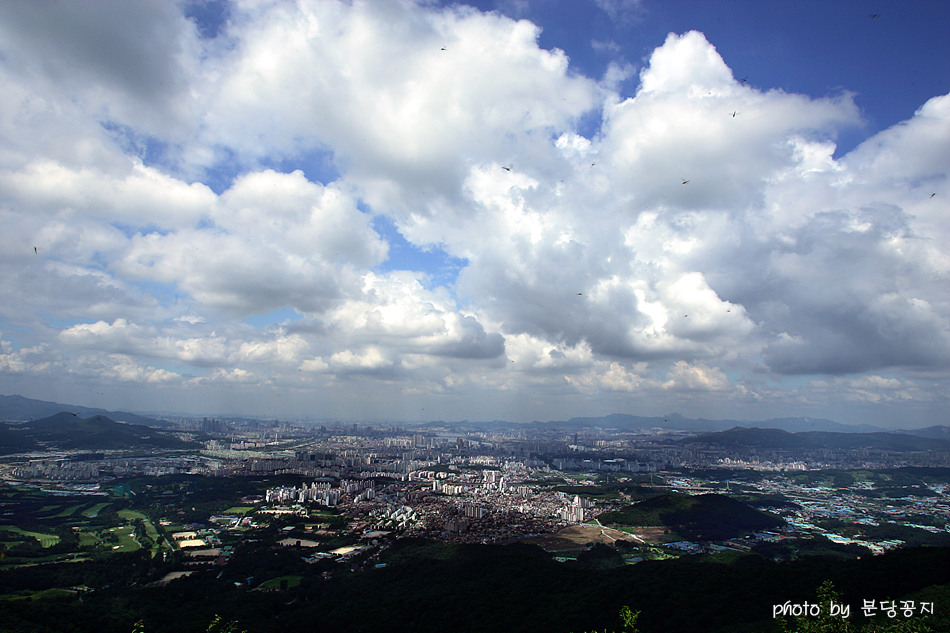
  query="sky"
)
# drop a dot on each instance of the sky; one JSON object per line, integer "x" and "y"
{"x": 516, "y": 209}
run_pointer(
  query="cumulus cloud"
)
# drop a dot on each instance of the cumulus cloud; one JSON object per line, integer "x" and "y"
{"x": 202, "y": 210}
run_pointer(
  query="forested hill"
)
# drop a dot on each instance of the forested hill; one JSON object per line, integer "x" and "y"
{"x": 68, "y": 431}
{"x": 699, "y": 517}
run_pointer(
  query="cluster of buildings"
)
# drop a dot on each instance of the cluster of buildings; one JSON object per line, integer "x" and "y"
{"x": 95, "y": 467}
{"x": 322, "y": 493}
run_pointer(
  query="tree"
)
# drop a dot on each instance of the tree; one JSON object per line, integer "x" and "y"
{"x": 220, "y": 626}
{"x": 628, "y": 619}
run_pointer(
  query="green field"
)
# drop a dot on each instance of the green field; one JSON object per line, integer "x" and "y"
{"x": 131, "y": 515}
{"x": 68, "y": 511}
{"x": 239, "y": 510}
{"x": 274, "y": 584}
{"x": 150, "y": 530}
{"x": 94, "y": 510}
{"x": 39, "y": 595}
{"x": 88, "y": 539}
{"x": 46, "y": 540}
{"x": 126, "y": 539}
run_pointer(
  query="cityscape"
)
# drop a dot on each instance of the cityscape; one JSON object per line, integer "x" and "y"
{"x": 340, "y": 496}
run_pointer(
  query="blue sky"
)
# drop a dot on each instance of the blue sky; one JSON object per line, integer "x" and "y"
{"x": 501, "y": 210}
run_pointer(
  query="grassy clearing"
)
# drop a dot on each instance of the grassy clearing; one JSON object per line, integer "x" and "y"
{"x": 38, "y": 595}
{"x": 89, "y": 538}
{"x": 68, "y": 512}
{"x": 46, "y": 540}
{"x": 126, "y": 539}
{"x": 131, "y": 515}
{"x": 242, "y": 510}
{"x": 150, "y": 530}
{"x": 94, "y": 510}
{"x": 274, "y": 584}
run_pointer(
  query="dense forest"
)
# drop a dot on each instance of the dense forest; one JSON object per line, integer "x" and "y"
{"x": 425, "y": 586}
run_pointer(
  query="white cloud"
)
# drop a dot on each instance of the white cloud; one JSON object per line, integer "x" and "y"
{"x": 621, "y": 10}
{"x": 170, "y": 186}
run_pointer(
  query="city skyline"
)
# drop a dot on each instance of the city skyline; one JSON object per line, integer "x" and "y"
{"x": 504, "y": 210}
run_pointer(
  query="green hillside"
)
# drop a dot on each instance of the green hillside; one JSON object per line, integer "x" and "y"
{"x": 69, "y": 431}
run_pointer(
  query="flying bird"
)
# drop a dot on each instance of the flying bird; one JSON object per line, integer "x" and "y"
{"x": 685, "y": 181}
{"x": 734, "y": 114}
{"x": 931, "y": 195}
{"x": 875, "y": 15}
{"x": 35, "y": 251}
{"x": 744, "y": 79}
{"x": 507, "y": 168}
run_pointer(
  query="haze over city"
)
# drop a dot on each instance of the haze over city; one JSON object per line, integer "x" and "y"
{"x": 513, "y": 210}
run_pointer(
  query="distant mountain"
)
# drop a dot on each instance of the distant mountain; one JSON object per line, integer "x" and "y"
{"x": 20, "y": 409}
{"x": 676, "y": 422}
{"x": 700, "y": 517}
{"x": 933, "y": 432}
{"x": 739, "y": 437}
{"x": 635, "y": 423}
{"x": 68, "y": 431}
{"x": 777, "y": 439}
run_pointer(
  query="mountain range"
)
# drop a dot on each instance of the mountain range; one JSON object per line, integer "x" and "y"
{"x": 778, "y": 439}
{"x": 17, "y": 408}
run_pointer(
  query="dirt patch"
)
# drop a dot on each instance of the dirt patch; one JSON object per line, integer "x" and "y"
{"x": 580, "y": 536}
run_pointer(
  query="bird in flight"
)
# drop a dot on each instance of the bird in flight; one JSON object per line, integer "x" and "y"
{"x": 744, "y": 79}
{"x": 685, "y": 181}
{"x": 734, "y": 114}
{"x": 931, "y": 195}
{"x": 875, "y": 15}
{"x": 507, "y": 168}
{"x": 35, "y": 251}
